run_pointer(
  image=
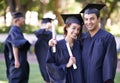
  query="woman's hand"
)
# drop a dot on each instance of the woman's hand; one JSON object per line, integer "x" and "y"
{"x": 71, "y": 61}
{"x": 52, "y": 42}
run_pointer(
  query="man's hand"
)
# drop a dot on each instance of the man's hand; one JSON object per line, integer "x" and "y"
{"x": 17, "y": 64}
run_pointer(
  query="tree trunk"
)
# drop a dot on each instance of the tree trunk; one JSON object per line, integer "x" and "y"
{"x": 43, "y": 7}
{"x": 12, "y": 5}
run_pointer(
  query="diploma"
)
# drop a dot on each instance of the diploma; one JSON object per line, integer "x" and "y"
{"x": 70, "y": 54}
{"x": 53, "y": 36}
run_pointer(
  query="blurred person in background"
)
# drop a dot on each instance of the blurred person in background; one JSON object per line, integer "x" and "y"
{"x": 15, "y": 52}
{"x": 43, "y": 35}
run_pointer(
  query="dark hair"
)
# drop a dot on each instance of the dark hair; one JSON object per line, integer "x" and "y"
{"x": 92, "y": 11}
{"x": 66, "y": 26}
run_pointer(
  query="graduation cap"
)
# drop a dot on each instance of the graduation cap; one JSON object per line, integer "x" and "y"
{"x": 17, "y": 15}
{"x": 46, "y": 20}
{"x": 72, "y": 18}
{"x": 92, "y": 8}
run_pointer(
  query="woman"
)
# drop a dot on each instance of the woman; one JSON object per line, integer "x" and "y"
{"x": 60, "y": 64}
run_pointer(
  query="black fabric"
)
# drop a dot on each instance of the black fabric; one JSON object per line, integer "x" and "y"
{"x": 56, "y": 64}
{"x": 99, "y": 57}
{"x": 41, "y": 49}
{"x": 15, "y": 38}
{"x": 72, "y": 18}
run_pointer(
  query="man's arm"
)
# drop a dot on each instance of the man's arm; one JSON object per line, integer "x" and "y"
{"x": 16, "y": 57}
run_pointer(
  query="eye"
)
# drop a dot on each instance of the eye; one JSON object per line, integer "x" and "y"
{"x": 92, "y": 18}
{"x": 73, "y": 27}
{"x": 85, "y": 19}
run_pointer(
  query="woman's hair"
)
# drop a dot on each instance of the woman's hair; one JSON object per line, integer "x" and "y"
{"x": 66, "y": 26}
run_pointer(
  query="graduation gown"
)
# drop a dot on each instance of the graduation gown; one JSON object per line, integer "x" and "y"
{"x": 56, "y": 64}
{"x": 41, "y": 49}
{"x": 99, "y": 57}
{"x": 15, "y": 38}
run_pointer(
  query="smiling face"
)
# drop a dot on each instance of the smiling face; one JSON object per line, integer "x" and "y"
{"x": 73, "y": 31}
{"x": 91, "y": 22}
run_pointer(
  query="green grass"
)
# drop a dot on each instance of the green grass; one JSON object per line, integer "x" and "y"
{"x": 35, "y": 76}
{"x": 117, "y": 77}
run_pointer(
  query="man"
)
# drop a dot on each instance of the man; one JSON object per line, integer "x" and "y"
{"x": 15, "y": 51}
{"x": 99, "y": 53}
{"x": 41, "y": 46}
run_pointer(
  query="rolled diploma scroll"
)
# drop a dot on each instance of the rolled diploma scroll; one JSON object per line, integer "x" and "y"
{"x": 70, "y": 54}
{"x": 53, "y": 36}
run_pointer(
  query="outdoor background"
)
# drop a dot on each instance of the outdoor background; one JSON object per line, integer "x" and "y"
{"x": 35, "y": 10}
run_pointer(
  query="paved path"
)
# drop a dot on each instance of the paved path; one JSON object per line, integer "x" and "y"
{"x": 31, "y": 38}
{"x": 32, "y": 59}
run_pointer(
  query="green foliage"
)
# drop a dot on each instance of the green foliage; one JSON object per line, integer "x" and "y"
{"x": 51, "y": 5}
{"x": 114, "y": 29}
{"x": 2, "y": 7}
{"x": 25, "y": 28}
{"x": 1, "y": 47}
{"x": 38, "y": 6}
{"x": 23, "y": 2}
{"x": 29, "y": 28}
{"x": 59, "y": 30}
{"x": 4, "y": 29}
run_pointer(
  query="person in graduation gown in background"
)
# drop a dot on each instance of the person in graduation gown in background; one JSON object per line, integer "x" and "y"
{"x": 43, "y": 35}
{"x": 15, "y": 52}
{"x": 60, "y": 63}
{"x": 99, "y": 53}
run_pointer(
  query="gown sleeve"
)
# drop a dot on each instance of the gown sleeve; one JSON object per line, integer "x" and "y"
{"x": 43, "y": 32}
{"x": 55, "y": 68}
{"x": 6, "y": 56}
{"x": 18, "y": 40}
{"x": 110, "y": 61}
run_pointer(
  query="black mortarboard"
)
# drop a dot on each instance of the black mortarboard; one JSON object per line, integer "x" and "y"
{"x": 17, "y": 15}
{"x": 46, "y": 20}
{"x": 72, "y": 18}
{"x": 92, "y": 8}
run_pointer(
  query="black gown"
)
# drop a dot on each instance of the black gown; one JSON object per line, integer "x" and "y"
{"x": 56, "y": 64}
{"x": 41, "y": 49}
{"x": 99, "y": 57}
{"x": 16, "y": 38}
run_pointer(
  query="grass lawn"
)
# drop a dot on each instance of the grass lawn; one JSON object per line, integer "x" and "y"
{"x": 35, "y": 76}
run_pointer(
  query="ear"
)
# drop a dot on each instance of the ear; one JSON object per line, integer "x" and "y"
{"x": 17, "y": 19}
{"x": 99, "y": 19}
